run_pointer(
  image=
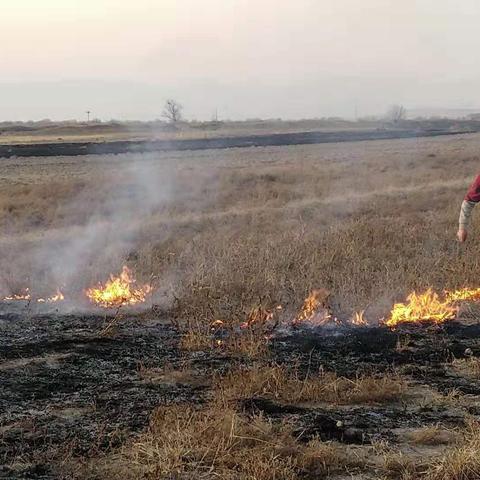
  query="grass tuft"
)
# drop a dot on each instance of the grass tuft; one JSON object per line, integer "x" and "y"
{"x": 278, "y": 383}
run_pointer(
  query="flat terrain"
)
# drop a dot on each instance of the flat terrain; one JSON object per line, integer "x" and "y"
{"x": 163, "y": 391}
{"x": 95, "y": 131}
{"x": 85, "y": 139}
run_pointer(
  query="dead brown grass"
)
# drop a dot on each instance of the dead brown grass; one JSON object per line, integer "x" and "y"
{"x": 194, "y": 341}
{"x": 461, "y": 462}
{"x": 400, "y": 466}
{"x": 278, "y": 383}
{"x": 247, "y": 343}
{"x": 269, "y": 224}
{"x": 458, "y": 462}
{"x": 469, "y": 367}
{"x": 208, "y": 443}
{"x": 432, "y": 435}
{"x": 250, "y": 338}
{"x": 287, "y": 229}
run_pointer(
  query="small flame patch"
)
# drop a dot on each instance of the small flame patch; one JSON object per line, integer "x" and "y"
{"x": 19, "y": 296}
{"x": 315, "y": 310}
{"x": 58, "y": 297}
{"x": 119, "y": 291}
{"x": 27, "y": 296}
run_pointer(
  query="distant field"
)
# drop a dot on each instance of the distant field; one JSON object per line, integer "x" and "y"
{"x": 65, "y": 132}
{"x": 105, "y": 132}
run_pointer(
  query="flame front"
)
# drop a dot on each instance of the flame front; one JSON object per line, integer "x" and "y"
{"x": 58, "y": 297}
{"x": 119, "y": 291}
{"x": 26, "y": 296}
{"x": 19, "y": 296}
{"x": 465, "y": 294}
{"x": 420, "y": 308}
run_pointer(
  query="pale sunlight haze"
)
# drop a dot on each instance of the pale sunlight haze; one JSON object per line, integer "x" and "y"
{"x": 245, "y": 58}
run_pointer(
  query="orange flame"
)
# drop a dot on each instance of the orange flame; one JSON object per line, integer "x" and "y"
{"x": 315, "y": 309}
{"x": 58, "y": 297}
{"x": 359, "y": 319}
{"x": 119, "y": 291}
{"x": 465, "y": 294}
{"x": 19, "y": 296}
{"x": 26, "y": 296}
{"x": 430, "y": 307}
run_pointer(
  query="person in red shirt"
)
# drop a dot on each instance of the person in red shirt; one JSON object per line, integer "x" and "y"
{"x": 471, "y": 199}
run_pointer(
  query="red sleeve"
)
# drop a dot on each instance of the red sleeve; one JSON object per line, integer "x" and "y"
{"x": 473, "y": 194}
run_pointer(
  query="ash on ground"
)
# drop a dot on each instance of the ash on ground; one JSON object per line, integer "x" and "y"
{"x": 70, "y": 383}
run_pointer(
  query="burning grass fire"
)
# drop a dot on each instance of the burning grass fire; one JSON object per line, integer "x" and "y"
{"x": 424, "y": 307}
{"x": 315, "y": 309}
{"x": 58, "y": 297}
{"x": 430, "y": 307}
{"x": 26, "y": 296}
{"x": 420, "y": 308}
{"x": 119, "y": 291}
{"x": 316, "y": 312}
{"x": 122, "y": 290}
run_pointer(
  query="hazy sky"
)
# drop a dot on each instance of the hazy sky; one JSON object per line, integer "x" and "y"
{"x": 247, "y": 58}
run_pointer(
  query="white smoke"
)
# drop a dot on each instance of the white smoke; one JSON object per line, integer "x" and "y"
{"x": 139, "y": 187}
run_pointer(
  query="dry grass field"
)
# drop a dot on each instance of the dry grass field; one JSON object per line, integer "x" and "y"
{"x": 223, "y": 230}
{"x": 219, "y": 233}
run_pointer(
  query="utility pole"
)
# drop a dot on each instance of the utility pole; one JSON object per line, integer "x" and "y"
{"x": 88, "y": 112}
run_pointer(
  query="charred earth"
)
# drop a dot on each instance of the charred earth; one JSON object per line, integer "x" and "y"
{"x": 73, "y": 389}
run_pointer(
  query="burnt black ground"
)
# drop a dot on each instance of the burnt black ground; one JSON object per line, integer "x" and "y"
{"x": 374, "y": 349}
{"x": 67, "y": 387}
{"x": 63, "y": 382}
{"x": 277, "y": 139}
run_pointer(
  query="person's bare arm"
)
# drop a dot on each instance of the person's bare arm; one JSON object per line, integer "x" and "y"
{"x": 468, "y": 204}
{"x": 464, "y": 219}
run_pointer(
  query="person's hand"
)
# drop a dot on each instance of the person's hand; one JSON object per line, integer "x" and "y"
{"x": 461, "y": 235}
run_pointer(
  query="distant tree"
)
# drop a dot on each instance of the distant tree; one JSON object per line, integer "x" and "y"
{"x": 172, "y": 111}
{"x": 396, "y": 113}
